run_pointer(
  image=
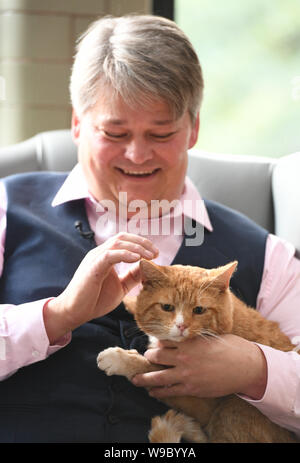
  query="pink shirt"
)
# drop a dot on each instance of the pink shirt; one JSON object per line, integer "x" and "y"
{"x": 23, "y": 339}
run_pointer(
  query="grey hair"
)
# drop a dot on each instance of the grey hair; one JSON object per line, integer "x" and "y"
{"x": 141, "y": 58}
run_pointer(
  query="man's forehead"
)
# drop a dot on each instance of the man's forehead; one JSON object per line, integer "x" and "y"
{"x": 117, "y": 112}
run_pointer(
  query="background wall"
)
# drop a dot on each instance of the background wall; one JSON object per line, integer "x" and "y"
{"x": 37, "y": 40}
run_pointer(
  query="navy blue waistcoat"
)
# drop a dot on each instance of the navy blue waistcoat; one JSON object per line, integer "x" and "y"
{"x": 66, "y": 398}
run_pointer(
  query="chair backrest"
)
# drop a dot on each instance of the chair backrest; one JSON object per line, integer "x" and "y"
{"x": 53, "y": 150}
{"x": 241, "y": 182}
{"x": 286, "y": 196}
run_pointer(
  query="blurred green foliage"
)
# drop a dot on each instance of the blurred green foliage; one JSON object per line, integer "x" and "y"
{"x": 250, "y": 54}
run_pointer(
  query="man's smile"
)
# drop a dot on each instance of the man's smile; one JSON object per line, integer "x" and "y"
{"x": 137, "y": 173}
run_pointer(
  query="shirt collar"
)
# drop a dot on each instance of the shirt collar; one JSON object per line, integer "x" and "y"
{"x": 75, "y": 187}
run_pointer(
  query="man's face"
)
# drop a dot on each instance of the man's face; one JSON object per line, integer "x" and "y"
{"x": 141, "y": 152}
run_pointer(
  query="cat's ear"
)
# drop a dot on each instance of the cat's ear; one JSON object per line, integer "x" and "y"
{"x": 224, "y": 275}
{"x": 151, "y": 273}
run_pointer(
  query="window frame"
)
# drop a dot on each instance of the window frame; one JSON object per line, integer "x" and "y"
{"x": 163, "y": 8}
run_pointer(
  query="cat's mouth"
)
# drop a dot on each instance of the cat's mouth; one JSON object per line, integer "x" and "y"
{"x": 178, "y": 333}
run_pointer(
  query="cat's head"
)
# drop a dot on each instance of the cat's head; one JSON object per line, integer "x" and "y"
{"x": 179, "y": 302}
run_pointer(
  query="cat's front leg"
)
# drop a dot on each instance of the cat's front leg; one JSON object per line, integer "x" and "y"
{"x": 118, "y": 361}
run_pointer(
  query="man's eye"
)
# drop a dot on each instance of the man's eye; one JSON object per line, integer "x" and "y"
{"x": 163, "y": 136}
{"x": 115, "y": 135}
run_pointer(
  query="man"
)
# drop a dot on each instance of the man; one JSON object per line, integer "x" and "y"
{"x": 69, "y": 255}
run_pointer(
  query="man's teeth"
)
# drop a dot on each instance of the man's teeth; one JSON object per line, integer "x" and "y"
{"x": 130, "y": 172}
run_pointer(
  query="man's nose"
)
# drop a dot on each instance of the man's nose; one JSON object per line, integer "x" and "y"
{"x": 138, "y": 151}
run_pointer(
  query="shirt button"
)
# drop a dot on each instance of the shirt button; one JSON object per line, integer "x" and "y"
{"x": 35, "y": 353}
{"x": 112, "y": 419}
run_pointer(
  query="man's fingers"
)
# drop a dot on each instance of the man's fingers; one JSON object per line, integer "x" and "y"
{"x": 138, "y": 243}
{"x": 162, "y": 356}
{"x": 131, "y": 278}
{"x": 110, "y": 257}
{"x": 156, "y": 378}
{"x": 168, "y": 391}
{"x": 124, "y": 247}
{"x": 163, "y": 383}
{"x": 134, "y": 247}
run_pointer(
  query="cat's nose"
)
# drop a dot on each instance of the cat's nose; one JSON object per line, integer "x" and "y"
{"x": 181, "y": 327}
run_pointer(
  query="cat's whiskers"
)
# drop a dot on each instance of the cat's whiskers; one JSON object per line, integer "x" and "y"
{"x": 207, "y": 334}
{"x": 155, "y": 329}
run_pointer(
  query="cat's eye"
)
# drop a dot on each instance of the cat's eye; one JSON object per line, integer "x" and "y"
{"x": 199, "y": 310}
{"x": 167, "y": 307}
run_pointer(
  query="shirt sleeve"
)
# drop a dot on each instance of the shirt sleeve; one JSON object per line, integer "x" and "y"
{"x": 23, "y": 338}
{"x": 279, "y": 300}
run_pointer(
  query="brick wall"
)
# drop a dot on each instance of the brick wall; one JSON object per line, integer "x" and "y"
{"x": 37, "y": 39}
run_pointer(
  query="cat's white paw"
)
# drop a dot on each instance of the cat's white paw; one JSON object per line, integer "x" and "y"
{"x": 114, "y": 360}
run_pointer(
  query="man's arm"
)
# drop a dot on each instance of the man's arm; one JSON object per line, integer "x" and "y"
{"x": 96, "y": 288}
{"x": 207, "y": 368}
{"x": 31, "y": 332}
{"x": 23, "y": 339}
{"x": 279, "y": 300}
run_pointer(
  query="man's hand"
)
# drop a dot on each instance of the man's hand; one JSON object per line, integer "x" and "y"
{"x": 95, "y": 288}
{"x": 206, "y": 368}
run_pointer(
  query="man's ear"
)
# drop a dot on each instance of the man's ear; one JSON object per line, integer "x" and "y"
{"x": 75, "y": 128}
{"x": 195, "y": 132}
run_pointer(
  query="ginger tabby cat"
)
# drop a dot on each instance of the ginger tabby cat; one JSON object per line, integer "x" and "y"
{"x": 207, "y": 308}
